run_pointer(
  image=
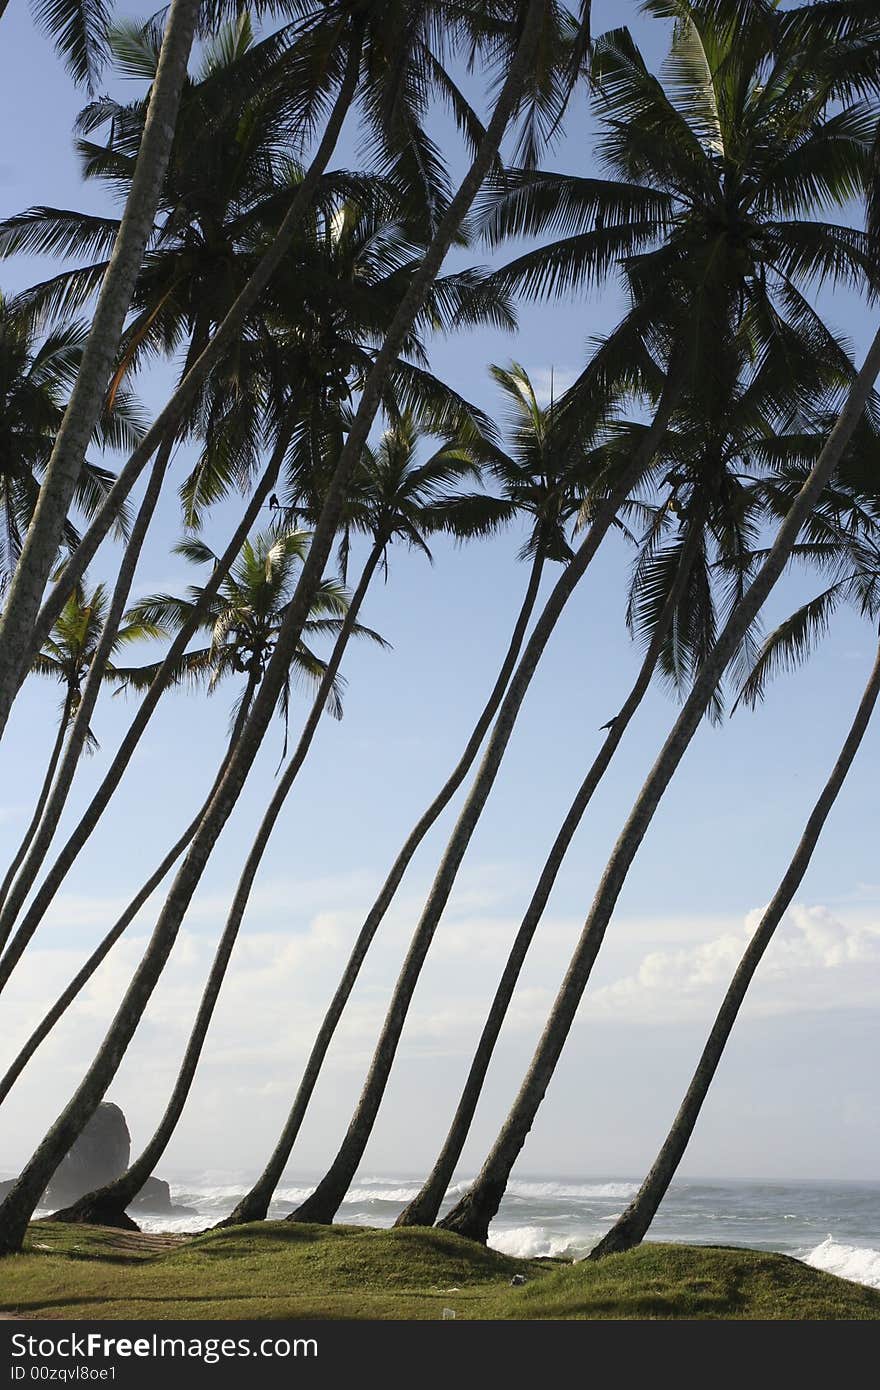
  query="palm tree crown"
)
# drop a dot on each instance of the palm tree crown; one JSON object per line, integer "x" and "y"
{"x": 243, "y": 620}
{"x": 35, "y": 378}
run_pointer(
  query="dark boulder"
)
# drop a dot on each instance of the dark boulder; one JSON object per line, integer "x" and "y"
{"x": 100, "y": 1154}
{"x": 155, "y": 1195}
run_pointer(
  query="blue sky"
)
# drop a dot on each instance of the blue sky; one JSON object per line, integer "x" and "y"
{"x": 796, "y": 1094}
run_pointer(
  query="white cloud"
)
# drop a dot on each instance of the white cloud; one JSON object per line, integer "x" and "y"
{"x": 287, "y": 962}
{"x": 816, "y": 960}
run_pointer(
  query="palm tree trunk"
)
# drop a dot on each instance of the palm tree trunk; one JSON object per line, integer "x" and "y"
{"x": 107, "y": 1205}
{"x": 631, "y": 1226}
{"x": 18, "y": 1206}
{"x": 425, "y": 1206}
{"x": 44, "y": 534}
{"x": 175, "y": 408}
{"x": 255, "y": 1204}
{"x": 104, "y": 947}
{"x": 324, "y": 1202}
{"x": 80, "y": 728}
{"x": 43, "y": 797}
{"x": 83, "y": 830}
{"x": 472, "y": 1215}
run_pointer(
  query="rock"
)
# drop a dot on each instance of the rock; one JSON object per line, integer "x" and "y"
{"x": 100, "y": 1154}
{"x": 155, "y": 1195}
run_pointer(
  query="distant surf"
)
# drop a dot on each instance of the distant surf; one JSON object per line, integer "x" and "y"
{"x": 564, "y": 1217}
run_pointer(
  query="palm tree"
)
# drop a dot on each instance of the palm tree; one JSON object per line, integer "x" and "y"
{"x": 19, "y": 637}
{"x": 764, "y": 171}
{"x": 220, "y": 203}
{"x": 121, "y": 759}
{"x": 789, "y": 644}
{"x": 36, "y": 378}
{"x": 102, "y": 796}
{"x": 541, "y": 478}
{"x": 517, "y": 55}
{"x": 66, "y": 658}
{"x": 219, "y": 169}
{"x": 289, "y": 383}
{"x": 393, "y": 498}
{"x": 689, "y": 290}
{"x": 554, "y": 468}
{"x": 472, "y": 1214}
{"x": 354, "y": 260}
{"x": 243, "y": 618}
{"x": 393, "y": 39}
{"x": 673, "y": 608}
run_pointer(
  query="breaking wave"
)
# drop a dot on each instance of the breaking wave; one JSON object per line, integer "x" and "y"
{"x": 537, "y": 1242}
{"x": 859, "y": 1263}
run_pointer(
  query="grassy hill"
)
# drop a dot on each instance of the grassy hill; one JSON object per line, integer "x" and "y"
{"x": 279, "y": 1270}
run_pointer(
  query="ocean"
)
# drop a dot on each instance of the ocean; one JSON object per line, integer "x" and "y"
{"x": 834, "y": 1226}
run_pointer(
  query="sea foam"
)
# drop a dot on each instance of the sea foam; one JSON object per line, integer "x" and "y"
{"x": 536, "y": 1242}
{"x": 859, "y": 1263}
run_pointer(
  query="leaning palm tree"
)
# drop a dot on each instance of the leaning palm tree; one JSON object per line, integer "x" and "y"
{"x": 563, "y": 441}
{"x": 396, "y": 42}
{"x": 542, "y": 479}
{"x": 393, "y": 499}
{"x": 472, "y": 1214}
{"x": 692, "y": 289}
{"x": 787, "y": 645}
{"x": 66, "y": 658}
{"x": 328, "y": 308}
{"x": 697, "y": 537}
{"x": 247, "y": 601}
{"x": 516, "y": 49}
{"x": 740, "y": 148}
{"x": 243, "y": 620}
{"x": 19, "y": 637}
{"x": 224, "y": 165}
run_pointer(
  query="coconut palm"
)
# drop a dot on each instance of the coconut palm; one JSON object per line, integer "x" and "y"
{"x": 176, "y": 648}
{"x": 281, "y": 390}
{"x": 518, "y": 58}
{"x": 554, "y": 466}
{"x": 786, "y": 646}
{"x": 696, "y": 539}
{"x": 242, "y": 620}
{"x": 328, "y": 57}
{"x": 393, "y": 499}
{"x": 747, "y": 117}
{"x": 183, "y": 289}
{"x": 472, "y": 1214}
{"x": 225, "y": 189}
{"x": 66, "y": 658}
{"x": 542, "y": 479}
{"x": 21, "y": 633}
{"x": 692, "y": 289}
{"x": 37, "y": 376}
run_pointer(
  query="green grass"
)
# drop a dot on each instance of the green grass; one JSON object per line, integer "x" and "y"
{"x": 279, "y": 1270}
